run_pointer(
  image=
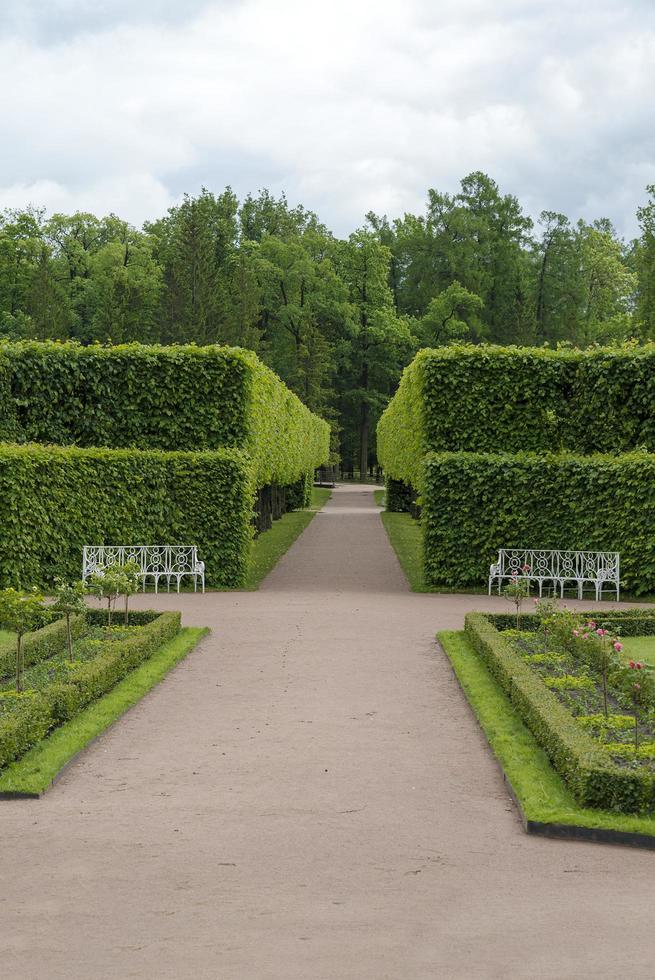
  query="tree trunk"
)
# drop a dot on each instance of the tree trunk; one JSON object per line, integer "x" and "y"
{"x": 19, "y": 663}
{"x": 69, "y": 637}
{"x": 127, "y": 614}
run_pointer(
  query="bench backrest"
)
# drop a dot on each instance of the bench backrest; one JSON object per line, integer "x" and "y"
{"x": 152, "y": 559}
{"x": 559, "y": 564}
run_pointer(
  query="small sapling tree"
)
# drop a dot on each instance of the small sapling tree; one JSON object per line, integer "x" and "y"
{"x": 20, "y": 612}
{"x": 518, "y": 590}
{"x": 107, "y": 584}
{"x": 69, "y": 600}
{"x": 131, "y": 578}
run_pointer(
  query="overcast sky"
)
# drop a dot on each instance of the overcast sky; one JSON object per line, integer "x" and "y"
{"x": 348, "y": 106}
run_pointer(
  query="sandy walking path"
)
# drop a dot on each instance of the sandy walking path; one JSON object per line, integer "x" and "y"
{"x": 307, "y": 796}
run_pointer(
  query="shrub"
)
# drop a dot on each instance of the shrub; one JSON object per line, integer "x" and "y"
{"x": 40, "y": 711}
{"x": 510, "y": 399}
{"x": 54, "y": 500}
{"x": 41, "y": 644}
{"x": 584, "y": 765}
{"x": 151, "y": 397}
{"x": 473, "y": 504}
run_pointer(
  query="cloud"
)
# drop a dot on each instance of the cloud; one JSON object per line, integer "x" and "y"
{"x": 348, "y": 106}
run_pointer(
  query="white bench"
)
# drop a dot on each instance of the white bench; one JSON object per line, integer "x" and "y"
{"x": 155, "y": 561}
{"x": 594, "y": 568}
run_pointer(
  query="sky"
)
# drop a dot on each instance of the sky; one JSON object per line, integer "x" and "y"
{"x": 348, "y": 107}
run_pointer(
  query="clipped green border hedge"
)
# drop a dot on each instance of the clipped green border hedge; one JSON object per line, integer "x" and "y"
{"x": 593, "y": 779}
{"x": 54, "y": 500}
{"x": 476, "y": 503}
{"x": 40, "y": 711}
{"x": 152, "y": 397}
{"x": 511, "y": 399}
{"x": 39, "y": 645}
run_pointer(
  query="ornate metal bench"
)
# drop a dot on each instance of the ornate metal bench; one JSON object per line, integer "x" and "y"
{"x": 594, "y": 568}
{"x": 156, "y": 561}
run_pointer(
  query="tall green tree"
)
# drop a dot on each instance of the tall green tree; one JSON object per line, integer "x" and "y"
{"x": 645, "y": 267}
{"x": 381, "y": 342}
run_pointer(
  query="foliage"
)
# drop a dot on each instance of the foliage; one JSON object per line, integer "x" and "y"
{"x": 542, "y": 795}
{"x": 39, "y": 711}
{"x": 41, "y": 644}
{"x": 107, "y": 583}
{"x": 33, "y": 773}
{"x": 69, "y": 601}
{"x": 475, "y": 503}
{"x": 55, "y": 500}
{"x": 490, "y": 399}
{"x": 159, "y": 398}
{"x": 592, "y": 778}
{"x": 516, "y": 590}
{"x": 20, "y": 613}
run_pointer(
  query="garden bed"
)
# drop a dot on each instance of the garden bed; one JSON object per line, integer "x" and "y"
{"x": 57, "y": 688}
{"x": 546, "y": 805}
{"x": 590, "y": 708}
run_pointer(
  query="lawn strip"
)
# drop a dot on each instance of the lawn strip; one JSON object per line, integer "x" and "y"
{"x": 268, "y": 547}
{"x": 32, "y": 774}
{"x": 546, "y": 805}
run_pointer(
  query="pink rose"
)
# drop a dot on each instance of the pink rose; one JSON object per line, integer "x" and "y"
{"x": 601, "y": 632}
{"x": 618, "y": 647}
{"x": 576, "y": 633}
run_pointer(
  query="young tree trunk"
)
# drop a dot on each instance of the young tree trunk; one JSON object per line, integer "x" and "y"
{"x": 364, "y": 418}
{"x": 127, "y": 614}
{"x": 69, "y": 636}
{"x": 19, "y": 662}
{"x": 109, "y": 611}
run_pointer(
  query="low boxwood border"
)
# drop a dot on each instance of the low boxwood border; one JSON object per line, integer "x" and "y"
{"x": 41, "y": 711}
{"x": 40, "y": 767}
{"x": 546, "y": 806}
{"x": 592, "y": 778}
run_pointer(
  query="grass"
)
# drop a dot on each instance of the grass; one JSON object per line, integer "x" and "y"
{"x": 268, "y": 548}
{"x": 639, "y": 648}
{"x": 35, "y": 771}
{"x": 543, "y": 796}
{"x": 405, "y": 537}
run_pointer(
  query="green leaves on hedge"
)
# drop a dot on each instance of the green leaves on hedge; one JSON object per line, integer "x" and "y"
{"x": 476, "y": 503}
{"x": 54, "y": 500}
{"x": 512, "y": 399}
{"x": 150, "y": 397}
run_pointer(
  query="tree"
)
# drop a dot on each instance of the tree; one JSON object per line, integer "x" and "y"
{"x": 107, "y": 584}
{"x": 645, "y": 267}
{"x": 20, "y": 613}
{"x": 69, "y": 601}
{"x": 130, "y": 581}
{"x": 607, "y": 286}
{"x": 380, "y": 341}
{"x": 452, "y": 315}
{"x": 195, "y": 245}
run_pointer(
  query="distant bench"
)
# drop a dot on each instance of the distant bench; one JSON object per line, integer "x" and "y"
{"x": 594, "y": 568}
{"x": 155, "y": 561}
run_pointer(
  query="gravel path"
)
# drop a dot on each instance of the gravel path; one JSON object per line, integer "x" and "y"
{"x": 307, "y": 796}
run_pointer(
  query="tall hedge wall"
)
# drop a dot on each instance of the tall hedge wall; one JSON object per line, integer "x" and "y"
{"x": 473, "y": 504}
{"x": 54, "y": 500}
{"x": 510, "y": 399}
{"x": 170, "y": 398}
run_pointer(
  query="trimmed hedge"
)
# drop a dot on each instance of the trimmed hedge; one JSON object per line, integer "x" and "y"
{"x": 593, "y": 779}
{"x": 512, "y": 399}
{"x": 40, "y": 711}
{"x": 474, "y": 504}
{"x": 39, "y": 645}
{"x": 623, "y": 622}
{"x": 151, "y": 397}
{"x": 54, "y": 500}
